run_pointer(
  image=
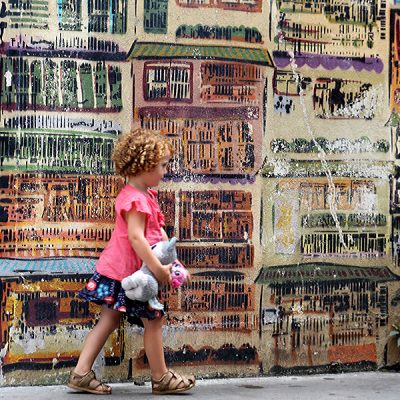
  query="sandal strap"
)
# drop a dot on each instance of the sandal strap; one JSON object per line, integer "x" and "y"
{"x": 82, "y": 380}
{"x": 172, "y": 381}
{"x": 182, "y": 378}
{"x": 88, "y": 380}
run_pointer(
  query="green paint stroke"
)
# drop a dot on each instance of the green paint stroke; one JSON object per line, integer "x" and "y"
{"x": 87, "y": 86}
{"x": 101, "y": 85}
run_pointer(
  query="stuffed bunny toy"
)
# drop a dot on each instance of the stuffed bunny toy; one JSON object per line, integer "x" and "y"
{"x": 179, "y": 274}
{"x": 142, "y": 284}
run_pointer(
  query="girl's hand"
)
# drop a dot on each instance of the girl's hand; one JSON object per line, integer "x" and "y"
{"x": 163, "y": 274}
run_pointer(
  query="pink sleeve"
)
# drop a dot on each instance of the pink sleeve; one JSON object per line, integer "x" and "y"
{"x": 161, "y": 219}
{"x": 139, "y": 204}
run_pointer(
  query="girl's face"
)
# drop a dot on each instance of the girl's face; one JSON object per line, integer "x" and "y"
{"x": 153, "y": 178}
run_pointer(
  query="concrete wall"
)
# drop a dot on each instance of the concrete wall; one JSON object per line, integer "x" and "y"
{"x": 283, "y": 194}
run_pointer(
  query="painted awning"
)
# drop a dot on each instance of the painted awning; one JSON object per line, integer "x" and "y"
{"x": 285, "y": 168}
{"x": 79, "y": 265}
{"x": 142, "y": 50}
{"x": 322, "y": 272}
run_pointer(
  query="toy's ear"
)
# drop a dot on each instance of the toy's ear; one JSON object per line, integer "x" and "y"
{"x": 172, "y": 243}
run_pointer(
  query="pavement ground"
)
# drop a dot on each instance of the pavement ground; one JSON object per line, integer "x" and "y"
{"x": 362, "y": 386}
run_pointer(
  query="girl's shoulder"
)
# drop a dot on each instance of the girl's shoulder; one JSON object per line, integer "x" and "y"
{"x": 129, "y": 197}
{"x": 129, "y": 192}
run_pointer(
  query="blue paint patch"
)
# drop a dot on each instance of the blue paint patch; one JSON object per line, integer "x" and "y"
{"x": 49, "y": 265}
{"x": 59, "y": 13}
{"x": 112, "y": 16}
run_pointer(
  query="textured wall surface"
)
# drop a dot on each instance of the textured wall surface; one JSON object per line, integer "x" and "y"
{"x": 283, "y": 193}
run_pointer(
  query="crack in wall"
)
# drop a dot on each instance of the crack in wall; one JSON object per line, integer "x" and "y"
{"x": 321, "y": 154}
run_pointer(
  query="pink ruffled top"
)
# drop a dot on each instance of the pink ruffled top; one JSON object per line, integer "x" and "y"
{"x": 118, "y": 259}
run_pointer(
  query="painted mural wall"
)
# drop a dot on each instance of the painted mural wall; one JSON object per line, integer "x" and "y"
{"x": 283, "y": 192}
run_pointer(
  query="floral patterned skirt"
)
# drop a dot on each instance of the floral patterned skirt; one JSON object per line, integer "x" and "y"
{"x": 109, "y": 292}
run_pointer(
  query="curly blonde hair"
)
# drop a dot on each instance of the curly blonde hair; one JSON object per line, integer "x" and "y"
{"x": 140, "y": 150}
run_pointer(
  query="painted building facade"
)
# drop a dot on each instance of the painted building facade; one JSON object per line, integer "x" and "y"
{"x": 283, "y": 191}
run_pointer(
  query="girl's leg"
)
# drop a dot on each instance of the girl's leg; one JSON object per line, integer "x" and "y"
{"x": 163, "y": 380}
{"x": 95, "y": 340}
{"x": 153, "y": 346}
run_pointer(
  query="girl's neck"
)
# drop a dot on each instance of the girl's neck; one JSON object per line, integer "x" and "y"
{"x": 137, "y": 184}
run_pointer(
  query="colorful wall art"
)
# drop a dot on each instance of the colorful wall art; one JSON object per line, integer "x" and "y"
{"x": 283, "y": 191}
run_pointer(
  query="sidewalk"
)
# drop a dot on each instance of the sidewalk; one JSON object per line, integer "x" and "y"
{"x": 363, "y": 386}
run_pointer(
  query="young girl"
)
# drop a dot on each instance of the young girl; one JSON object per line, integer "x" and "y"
{"x": 142, "y": 157}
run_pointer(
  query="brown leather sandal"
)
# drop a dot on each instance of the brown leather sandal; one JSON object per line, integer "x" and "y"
{"x": 171, "y": 382}
{"x": 87, "y": 383}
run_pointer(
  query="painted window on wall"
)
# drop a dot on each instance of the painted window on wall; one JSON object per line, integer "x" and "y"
{"x": 101, "y": 85}
{"x": 233, "y": 33}
{"x": 231, "y": 5}
{"x": 36, "y": 84}
{"x": 107, "y": 16}
{"x": 15, "y": 83}
{"x": 207, "y": 146}
{"x": 85, "y": 73}
{"x": 29, "y": 14}
{"x": 168, "y": 81}
{"x": 155, "y": 18}
{"x": 230, "y": 83}
{"x": 51, "y": 84}
{"x": 115, "y": 82}
{"x": 69, "y": 14}
{"x": 71, "y": 85}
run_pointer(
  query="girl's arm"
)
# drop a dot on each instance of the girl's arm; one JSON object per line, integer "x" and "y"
{"x": 136, "y": 224}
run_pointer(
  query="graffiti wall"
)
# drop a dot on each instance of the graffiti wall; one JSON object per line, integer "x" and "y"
{"x": 283, "y": 191}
